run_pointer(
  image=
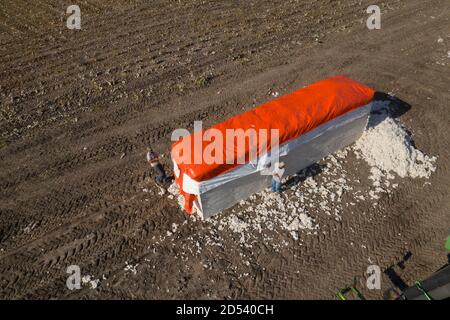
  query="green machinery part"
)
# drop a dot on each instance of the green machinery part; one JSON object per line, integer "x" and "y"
{"x": 341, "y": 293}
{"x": 424, "y": 292}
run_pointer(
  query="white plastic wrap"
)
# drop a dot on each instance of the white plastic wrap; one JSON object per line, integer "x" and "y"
{"x": 225, "y": 190}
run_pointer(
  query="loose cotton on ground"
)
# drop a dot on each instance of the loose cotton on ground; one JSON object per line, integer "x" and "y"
{"x": 386, "y": 146}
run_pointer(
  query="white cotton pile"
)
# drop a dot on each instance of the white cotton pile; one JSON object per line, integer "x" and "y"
{"x": 131, "y": 268}
{"x": 175, "y": 192}
{"x": 91, "y": 281}
{"x": 267, "y": 212}
{"x": 387, "y": 148}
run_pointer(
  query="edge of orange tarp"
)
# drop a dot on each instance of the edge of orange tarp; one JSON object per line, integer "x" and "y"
{"x": 293, "y": 115}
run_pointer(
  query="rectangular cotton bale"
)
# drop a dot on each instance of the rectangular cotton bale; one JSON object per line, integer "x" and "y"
{"x": 313, "y": 122}
{"x": 304, "y": 151}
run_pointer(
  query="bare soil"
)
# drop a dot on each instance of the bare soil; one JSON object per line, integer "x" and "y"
{"x": 78, "y": 109}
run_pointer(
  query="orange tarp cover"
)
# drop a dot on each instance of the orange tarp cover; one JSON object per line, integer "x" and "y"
{"x": 293, "y": 115}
